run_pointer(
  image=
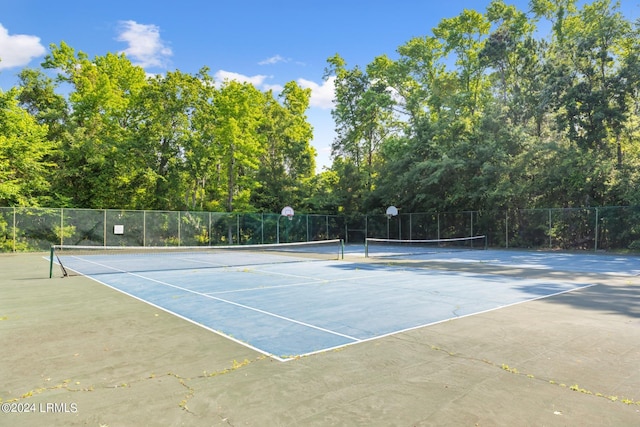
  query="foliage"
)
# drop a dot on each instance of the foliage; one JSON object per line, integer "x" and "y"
{"x": 483, "y": 113}
{"x": 514, "y": 122}
{"x": 24, "y": 169}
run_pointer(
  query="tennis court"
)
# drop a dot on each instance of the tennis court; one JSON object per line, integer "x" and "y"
{"x": 441, "y": 337}
{"x": 287, "y": 306}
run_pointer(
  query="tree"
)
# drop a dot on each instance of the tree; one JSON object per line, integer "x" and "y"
{"x": 364, "y": 119}
{"x": 24, "y": 171}
{"x": 288, "y": 161}
{"x": 37, "y": 95}
{"x": 464, "y": 36}
{"x": 516, "y": 59}
{"x": 237, "y": 110}
{"x": 99, "y": 169}
{"x": 173, "y": 139}
{"x": 593, "y": 96}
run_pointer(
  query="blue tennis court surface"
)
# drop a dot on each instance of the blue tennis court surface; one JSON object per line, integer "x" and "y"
{"x": 300, "y": 308}
{"x": 538, "y": 260}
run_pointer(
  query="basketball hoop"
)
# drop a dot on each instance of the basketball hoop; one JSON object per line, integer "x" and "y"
{"x": 391, "y": 212}
{"x": 288, "y": 212}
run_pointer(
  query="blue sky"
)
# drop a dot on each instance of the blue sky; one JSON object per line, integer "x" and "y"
{"x": 265, "y": 42}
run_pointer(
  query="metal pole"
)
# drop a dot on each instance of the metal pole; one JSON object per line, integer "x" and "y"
{"x": 366, "y": 227}
{"x": 388, "y": 226}
{"x": 51, "y": 263}
{"x": 506, "y": 229}
{"x": 596, "y": 238}
{"x": 62, "y": 226}
{"x": 144, "y": 228}
{"x": 326, "y": 220}
{"x": 550, "y": 244}
{"x": 346, "y": 232}
{"x": 104, "y": 226}
{"x": 14, "y": 229}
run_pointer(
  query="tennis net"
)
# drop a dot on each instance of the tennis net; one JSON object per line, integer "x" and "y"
{"x": 398, "y": 248}
{"x": 92, "y": 260}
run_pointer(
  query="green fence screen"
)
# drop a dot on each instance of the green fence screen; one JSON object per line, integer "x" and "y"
{"x": 36, "y": 229}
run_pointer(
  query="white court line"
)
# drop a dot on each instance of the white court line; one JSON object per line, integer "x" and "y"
{"x": 353, "y": 339}
{"x": 308, "y": 325}
{"x": 412, "y": 328}
{"x": 314, "y": 282}
{"x": 242, "y": 268}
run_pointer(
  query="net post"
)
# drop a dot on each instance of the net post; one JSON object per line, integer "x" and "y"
{"x": 51, "y": 263}
{"x": 366, "y": 248}
{"x": 341, "y": 248}
{"x": 486, "y": 242}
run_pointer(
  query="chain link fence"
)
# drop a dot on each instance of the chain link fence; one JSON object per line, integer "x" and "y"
{"x": 36, "y": 229}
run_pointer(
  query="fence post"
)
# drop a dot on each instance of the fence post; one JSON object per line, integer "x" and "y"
{"x": 326, "y": 220}
{"x": 144, "y": 228}
{"x": 387, "y": 227}
{"x": 506, "y": 228}
{"x": 62, "y": 226}
{"x": 104, "y": 228}
{"x": 366, "y": 227}
{"x": 179, "y": 237}
{"x": 550, "y": 244}
{"x": 346, "y": 232}
{"x": 14, "y": 229}
{"x": 596, "y": 237}
{"x": 410, "y": 226}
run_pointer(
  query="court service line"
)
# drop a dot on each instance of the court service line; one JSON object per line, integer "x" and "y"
{"x": 291, "y": 285}
{"x": 437, "y": 322}
{"x": 251, "y": 269}
{"x": 288, "y": 319}
{"x": 246, "y": 266}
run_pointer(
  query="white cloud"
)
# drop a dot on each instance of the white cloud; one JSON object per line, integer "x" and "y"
{"x": 145, "y": 45}
{"x": 19, "y": 49}
{"x": 256, "y": 80}
{"x": 274, "y": 88}
{"x": 321, "y": 95}
{"x": 273, "y": 60}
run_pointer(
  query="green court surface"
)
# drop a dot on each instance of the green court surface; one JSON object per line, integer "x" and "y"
{"x": 524, "y": 339}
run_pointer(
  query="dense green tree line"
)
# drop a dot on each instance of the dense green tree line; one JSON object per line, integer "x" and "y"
{"x": 488, "y": 111}
{"x": 121, "y": 139}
